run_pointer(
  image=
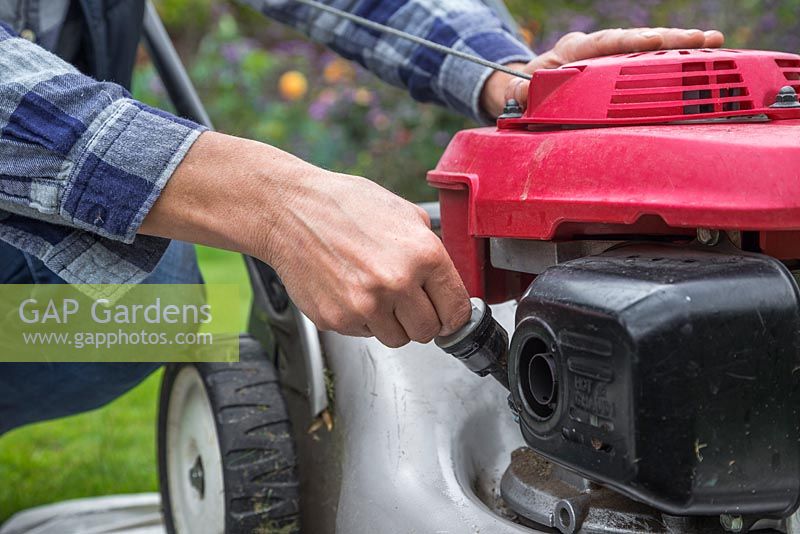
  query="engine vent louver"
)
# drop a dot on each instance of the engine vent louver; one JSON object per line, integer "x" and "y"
{"x": 691, "y": 85}
{"x": 791, "y": 70}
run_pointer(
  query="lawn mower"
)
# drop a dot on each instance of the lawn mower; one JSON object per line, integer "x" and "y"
{"x": 643, "y": 213}
{"x": 631, "y": 244}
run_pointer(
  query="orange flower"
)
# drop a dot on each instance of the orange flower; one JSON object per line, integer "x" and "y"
{"x": 338, "y": 70}
{"x": 293, "y": 85}
{"x": 527, "y": 35}
{"x": 363, "y": 96}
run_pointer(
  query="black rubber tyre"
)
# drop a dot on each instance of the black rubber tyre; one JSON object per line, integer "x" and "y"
{"x": 259, "y": 473}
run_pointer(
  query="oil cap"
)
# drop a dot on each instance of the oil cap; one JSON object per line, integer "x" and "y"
{"x": 481, "y": 344}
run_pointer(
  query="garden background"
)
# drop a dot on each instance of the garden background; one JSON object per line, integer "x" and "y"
{"x": 263, "y": 81}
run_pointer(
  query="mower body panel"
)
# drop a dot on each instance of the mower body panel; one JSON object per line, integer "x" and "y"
{"x": 420, "y": 442}
{"x": 528, "y": 185}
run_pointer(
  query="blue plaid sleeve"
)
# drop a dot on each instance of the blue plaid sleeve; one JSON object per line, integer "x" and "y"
{"x": 81, "y": 164}
{"x": 466, "y": 25}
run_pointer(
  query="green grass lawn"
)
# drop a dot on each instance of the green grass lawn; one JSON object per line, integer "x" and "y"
{"x": 107, "y": 451}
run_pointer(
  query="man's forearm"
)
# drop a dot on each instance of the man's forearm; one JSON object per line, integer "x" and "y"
{"x": 226, "y": 194}
{"x": 354, "y": 257}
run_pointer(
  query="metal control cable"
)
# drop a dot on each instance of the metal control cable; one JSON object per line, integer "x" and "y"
{"x": 413, "y": 38}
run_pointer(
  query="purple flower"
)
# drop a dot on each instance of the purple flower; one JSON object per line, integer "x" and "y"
{"x": 322, "y": 105}
{"x": 378, "y": 119}
{"x": 295, "y": 47}
{"x": 582, "y": 23}
{"x": 155, "y": 86}
{"x": 769, "y": 22}
{"x": 233, "y": 52}
{"x": 441, "y": 138}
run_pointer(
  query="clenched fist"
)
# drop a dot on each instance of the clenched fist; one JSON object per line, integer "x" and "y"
{"x": 362, "y": 261}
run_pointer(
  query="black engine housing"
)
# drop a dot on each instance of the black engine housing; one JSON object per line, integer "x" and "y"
{"x": 668, "y": 373}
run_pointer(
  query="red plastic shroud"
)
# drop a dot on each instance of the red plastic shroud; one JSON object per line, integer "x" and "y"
{"x": 639, "y": 144}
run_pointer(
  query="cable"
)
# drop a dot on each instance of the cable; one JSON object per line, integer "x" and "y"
{"x": 413, "y": 38}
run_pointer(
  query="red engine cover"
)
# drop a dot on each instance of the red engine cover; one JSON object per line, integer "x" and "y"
{"x": 661, "y": 86}
{"x": 528, "y": 181}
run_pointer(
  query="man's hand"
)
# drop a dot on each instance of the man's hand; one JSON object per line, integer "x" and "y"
{"x": 578, "y": 46}
{"x": 354, "y": 257}
{"x": 364, "y": 262}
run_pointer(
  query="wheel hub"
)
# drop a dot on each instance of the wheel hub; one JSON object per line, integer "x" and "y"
{"x": 196, "y": 477}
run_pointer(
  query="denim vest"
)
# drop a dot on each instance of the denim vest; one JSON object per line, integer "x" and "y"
{"x": 100, "y": 37}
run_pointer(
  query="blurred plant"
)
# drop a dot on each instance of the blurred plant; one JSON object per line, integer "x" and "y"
{"x": 261, "y": 80}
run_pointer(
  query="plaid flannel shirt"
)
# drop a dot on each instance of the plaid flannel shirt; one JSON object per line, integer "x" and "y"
{"x": 81, "y": 163}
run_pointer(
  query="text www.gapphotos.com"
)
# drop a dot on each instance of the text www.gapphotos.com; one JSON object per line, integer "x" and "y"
{"x": 96, "y": 340}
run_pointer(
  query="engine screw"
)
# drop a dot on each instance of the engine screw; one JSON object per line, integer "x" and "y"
{"x": 512, "y": 110}
{"x": 708, "y": 237}
{"x": 787, "y": 98}
{"x": 731, "y": 523}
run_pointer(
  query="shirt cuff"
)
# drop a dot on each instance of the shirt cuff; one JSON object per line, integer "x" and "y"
{"x": 463, "y": 80}
{"x": 81, "y": 257}
{"x": 120, "y": 167}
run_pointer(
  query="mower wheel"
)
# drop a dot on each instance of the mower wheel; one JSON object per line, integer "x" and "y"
{"x": 226, "y": 457}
